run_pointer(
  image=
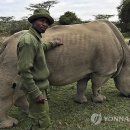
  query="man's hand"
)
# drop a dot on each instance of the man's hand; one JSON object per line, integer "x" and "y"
{"x": 40, "y": 99}
{"x": 58, "y": 41}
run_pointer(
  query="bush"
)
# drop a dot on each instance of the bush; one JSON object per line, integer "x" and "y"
{"x": 11, "y": 27}
{"x": 126, "y": 35}
{"x": 69, "y": 18}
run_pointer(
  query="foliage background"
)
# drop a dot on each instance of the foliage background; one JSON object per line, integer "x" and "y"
{"x": 8, "y": 25}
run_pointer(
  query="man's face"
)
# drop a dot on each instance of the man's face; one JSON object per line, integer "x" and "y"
{"x": 41, "y": 24}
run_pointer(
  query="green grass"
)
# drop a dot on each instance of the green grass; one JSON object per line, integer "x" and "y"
{"x": 68, "y": 115}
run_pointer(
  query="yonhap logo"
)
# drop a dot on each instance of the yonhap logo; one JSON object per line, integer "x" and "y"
{"x": 96, "y": 118}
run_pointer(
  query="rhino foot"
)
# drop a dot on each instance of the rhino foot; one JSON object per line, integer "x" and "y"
{"x": 80, "y": 99}
{"x": 99, "y": 98}
{"x": 8, "y": 123}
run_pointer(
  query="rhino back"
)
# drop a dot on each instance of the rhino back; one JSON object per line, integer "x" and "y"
{"x": 88, "y": 48}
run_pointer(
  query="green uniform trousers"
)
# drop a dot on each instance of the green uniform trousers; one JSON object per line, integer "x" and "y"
{"x": 39, "y": 114}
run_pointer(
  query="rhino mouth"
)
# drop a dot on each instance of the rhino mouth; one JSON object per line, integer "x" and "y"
{"x": 123, "y": 92}
{"x": 125, "y": 95}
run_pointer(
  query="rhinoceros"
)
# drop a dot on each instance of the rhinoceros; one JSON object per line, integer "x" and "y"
{"x": 94, "y": 50}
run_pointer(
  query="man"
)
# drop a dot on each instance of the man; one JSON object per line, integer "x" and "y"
{"x": 33, "y": 69}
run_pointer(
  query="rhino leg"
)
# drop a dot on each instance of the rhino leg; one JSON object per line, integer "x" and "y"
{"x": 97, "y": 82}
{"x": 81, "y": 87}
{"x": 5, "y": 120}
{"x": 23, "y": 104}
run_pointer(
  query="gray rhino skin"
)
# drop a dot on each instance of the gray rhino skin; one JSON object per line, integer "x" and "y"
{"x": 94, "y": 50}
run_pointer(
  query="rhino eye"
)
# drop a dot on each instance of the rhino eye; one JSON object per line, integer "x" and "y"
{"x": 13, "y": 85}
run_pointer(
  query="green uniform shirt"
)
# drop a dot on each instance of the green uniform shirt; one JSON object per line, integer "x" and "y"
{"x": 32, "y": 66}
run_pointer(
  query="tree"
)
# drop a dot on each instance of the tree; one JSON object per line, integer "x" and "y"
{"x": 6, "y": 19}
{"x": 124, "y": 11}
{"x": 5, "y": 23}
{"x": 47, "y": 5}
{"x": 10, "y": 26}
{"x": 19, "y": 25}
{"x": 103, "y": 16}
{"x": 69, "y": 18}
{"x": 124, "y": 15}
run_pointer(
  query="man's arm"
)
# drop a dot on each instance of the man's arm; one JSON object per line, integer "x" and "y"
{"x": 26, "y": 54}
{"x": 48, "y": 46}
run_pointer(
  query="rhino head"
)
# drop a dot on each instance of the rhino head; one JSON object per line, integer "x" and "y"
{"x": 122, "y": 80}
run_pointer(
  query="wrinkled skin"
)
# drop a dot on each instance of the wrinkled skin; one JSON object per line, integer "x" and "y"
{"x": 95, "y": 51}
